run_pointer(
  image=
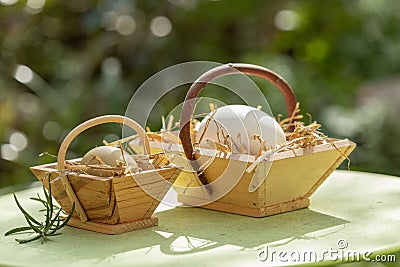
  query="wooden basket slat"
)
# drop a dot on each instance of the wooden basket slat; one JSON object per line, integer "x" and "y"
{"x": 136, "y": 193}
{"x": 144, "y": 178}
{"x": 133, "y": 213}
{"x": 113, "y": 229}
{"x": 293, "y": 204}
{"x": 115, "y": 199}
{"x": 162, "y": 193}
{"x": 290, "y": 181}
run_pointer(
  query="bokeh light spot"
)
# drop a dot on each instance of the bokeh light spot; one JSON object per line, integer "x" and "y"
{"x": 371, "y": 6}
{"x": 23, "y": 74}
{"x": 160, "y": 26}
{"x": 8, "y": 2}
{"x": 9, "y": 152}
{"x": 108, "y": 20}
{"x": 19, "y": 140}
{"x": 35, "y": 6}
{"x": 286, "y": 20}
{"x": 125, "y": 25}
{"x": 111, "y": 66}
{"x": 28, "y": 103}
{"x": 186, "y": 4}
{"x": 51, "y": 130}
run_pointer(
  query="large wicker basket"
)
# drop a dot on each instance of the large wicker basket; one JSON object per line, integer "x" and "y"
{"x": 288, "y": 179}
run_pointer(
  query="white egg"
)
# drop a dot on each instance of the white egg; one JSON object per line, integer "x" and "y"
{"x": 241, "y": 123}
{"x": 109, "y": 155}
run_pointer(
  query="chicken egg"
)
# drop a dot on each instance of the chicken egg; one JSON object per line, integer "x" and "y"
{"x": 242, "y": 123}
{"x": 111, "y": 156}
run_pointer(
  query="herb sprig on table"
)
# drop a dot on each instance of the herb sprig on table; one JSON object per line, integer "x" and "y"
{"x": 49, "y": 227}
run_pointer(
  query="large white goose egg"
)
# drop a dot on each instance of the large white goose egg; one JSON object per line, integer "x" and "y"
{"x": 241, "y": 123}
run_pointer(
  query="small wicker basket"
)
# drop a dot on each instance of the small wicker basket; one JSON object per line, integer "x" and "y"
{"x": 110, "y": 205}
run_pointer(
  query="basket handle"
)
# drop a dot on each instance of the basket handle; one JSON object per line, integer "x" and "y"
{"x": 203, "y": 80}
{"x": 227, "y": 69}
{"x": 74, "y": 133}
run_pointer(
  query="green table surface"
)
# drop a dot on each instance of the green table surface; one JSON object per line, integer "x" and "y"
{"x": 362, "y": 209}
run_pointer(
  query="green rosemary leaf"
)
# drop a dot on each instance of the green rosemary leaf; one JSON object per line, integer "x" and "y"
{"x": 39, "y": 199}
{"x": 24, "y": 212}
{"x": 33, "y": 227}
{"x": 69, "y": 216}
{"x": 49, "y": 208}
{"x": 51, "y": 224}
{"x": 53, "y": 229}
{"x": 44, "y": 203}
{"x": 18, "y": 230}
{"x": 48, "y": 218}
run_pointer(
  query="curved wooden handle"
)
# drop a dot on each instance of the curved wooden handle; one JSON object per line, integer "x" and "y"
{"x": 203, "y": 80}
{"x": 74, "y": 133}
{"x": 97, "y": 121}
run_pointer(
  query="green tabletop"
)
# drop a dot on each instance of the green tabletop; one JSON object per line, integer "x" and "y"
{"x": 351, "y": 212}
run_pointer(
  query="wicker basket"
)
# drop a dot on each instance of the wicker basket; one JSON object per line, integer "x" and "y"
{"x": 110, "y": 205}
{"x": 287, "y": 182}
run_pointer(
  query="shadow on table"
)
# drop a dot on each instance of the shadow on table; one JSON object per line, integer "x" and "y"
{"x": 194, "y": 229}
{"x": 189, "y": 230}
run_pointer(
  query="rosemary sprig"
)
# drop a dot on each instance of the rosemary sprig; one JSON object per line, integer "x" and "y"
{"x": 49, "y": 227}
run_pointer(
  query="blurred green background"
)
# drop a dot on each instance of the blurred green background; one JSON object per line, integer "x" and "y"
{"x": 63, "y": 62}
